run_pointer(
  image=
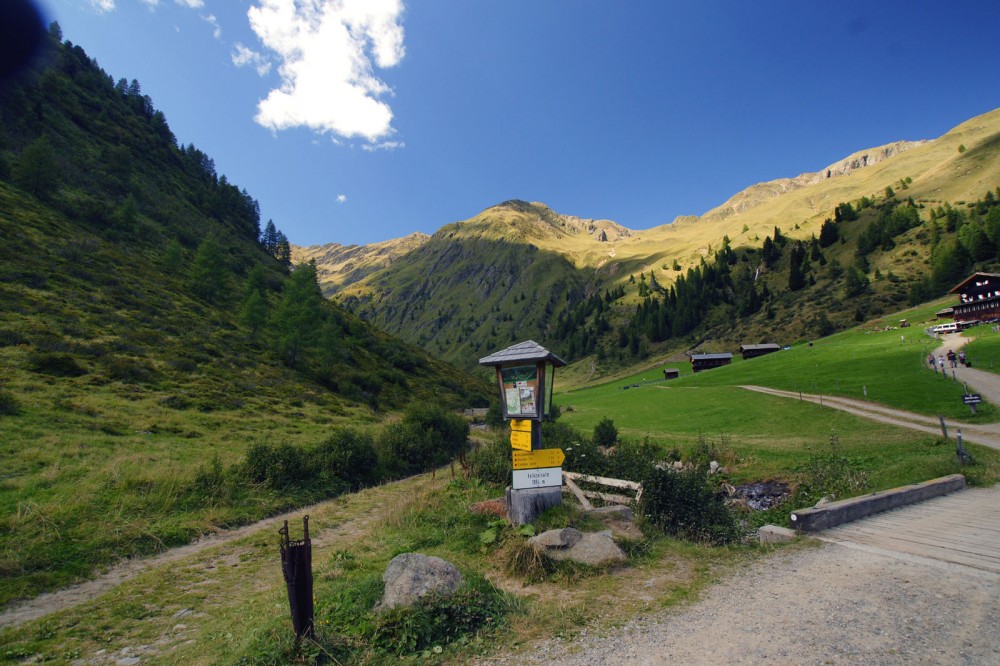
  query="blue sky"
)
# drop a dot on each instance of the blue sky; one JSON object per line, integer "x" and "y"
{"x": 357, "y": 121}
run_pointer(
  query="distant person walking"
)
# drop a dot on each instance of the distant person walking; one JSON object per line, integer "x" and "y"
{"x": 941, "y": 363}
{"x": 930, "y": 360}
{"x": 951, "y": 358}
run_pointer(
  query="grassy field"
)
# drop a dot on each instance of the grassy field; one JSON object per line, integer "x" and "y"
{"x": 762, "y": 437}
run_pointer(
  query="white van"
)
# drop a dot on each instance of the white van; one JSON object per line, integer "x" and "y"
{"x": 945, "y": 328}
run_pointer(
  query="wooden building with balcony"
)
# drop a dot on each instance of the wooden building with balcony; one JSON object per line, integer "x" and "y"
{"x": 979, "y": 299}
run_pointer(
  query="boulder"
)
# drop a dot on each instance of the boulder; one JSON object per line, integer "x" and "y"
{"x": 775, "y": 534}
{"x": 411, "y": 576}
{"x": 569, "y": 544}
{"x": 564, "y": 538}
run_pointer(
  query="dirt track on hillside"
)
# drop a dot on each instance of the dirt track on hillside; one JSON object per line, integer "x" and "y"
{"x": 985, "y": 383}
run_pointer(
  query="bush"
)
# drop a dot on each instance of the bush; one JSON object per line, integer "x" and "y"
{"x": 55, "y": 364}
{"x": 129, "y": 370}
{"x": 439, "y": 620}
{"x": 683, "y": 504}
{"x": 452, "y": 428}
{"x": 426, "y": 438}
{"x": 491, "y": 462}
{"x": 406, "y": 449}
{"x": 277, "y": 467}
{"x": 605, "y": 433}
{"x": 347, "y": 456}
{"x": 9, "y": 405}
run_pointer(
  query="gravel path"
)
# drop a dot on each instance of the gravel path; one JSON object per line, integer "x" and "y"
{"x": 826, "y": 605}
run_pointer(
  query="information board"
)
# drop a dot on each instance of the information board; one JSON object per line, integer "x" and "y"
{"x": 520, "y": 387}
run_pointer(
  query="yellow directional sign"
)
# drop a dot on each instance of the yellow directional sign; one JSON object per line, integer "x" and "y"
{"x": 538, "y": 459}
{"x": 520, "y": 440}
{"x": 521, "y": 425}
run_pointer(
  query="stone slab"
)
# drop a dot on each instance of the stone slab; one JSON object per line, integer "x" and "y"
{"x": 832, "y": 514}
{"x": 775, "y": 534}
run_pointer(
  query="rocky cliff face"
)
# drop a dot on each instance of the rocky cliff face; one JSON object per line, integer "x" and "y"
{"x": 756, "y": 195}
{"x": 862, "y": 159}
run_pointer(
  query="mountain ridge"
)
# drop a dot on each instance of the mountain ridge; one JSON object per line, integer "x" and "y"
{"x": 477, "y": 257}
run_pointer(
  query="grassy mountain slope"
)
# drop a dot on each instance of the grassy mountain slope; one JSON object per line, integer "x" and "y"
{"x": 131, "y": 371}
{"x": 338, "y": 264}
{"x": 460, "y": 293}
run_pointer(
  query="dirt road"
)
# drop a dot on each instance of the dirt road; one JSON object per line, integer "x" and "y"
{"x": 985, "y": 383}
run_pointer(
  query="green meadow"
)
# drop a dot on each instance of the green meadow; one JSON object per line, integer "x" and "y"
{"x": 761, "y": 437}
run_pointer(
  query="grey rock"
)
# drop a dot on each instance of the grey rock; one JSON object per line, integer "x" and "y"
{"x": 411, "y": 576}
{"x": 593, "y": 549}
{"x": 564, "y": 538}
{"x": 775, "y": 534}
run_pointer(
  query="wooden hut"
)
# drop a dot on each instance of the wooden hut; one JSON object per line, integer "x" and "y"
{"x": 753, "y": 351}
{"x": 701, "y": 362}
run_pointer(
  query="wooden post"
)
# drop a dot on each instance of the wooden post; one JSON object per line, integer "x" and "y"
{"x": 944, "y": 428}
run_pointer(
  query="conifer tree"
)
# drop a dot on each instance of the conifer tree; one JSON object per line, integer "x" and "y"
{"x": 296, "y": 321}
{"x": 209, "y": 274}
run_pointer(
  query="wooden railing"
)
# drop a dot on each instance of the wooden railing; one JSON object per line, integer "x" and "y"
{"x": 570, "y": 479}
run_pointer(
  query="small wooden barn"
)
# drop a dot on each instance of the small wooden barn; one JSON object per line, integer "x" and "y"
{"x": 701, "y": 362}
{"x": 753, "y": 351}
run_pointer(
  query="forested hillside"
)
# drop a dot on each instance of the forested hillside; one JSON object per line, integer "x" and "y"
{"x": 162, "y": 370}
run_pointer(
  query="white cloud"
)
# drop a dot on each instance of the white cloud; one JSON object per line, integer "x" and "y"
{"x": 193, "y": 4}
{"x": 243, "y": 56}
{"x": 371, "y": 147}
{"x": 214, "y": 22}
{"x": 328, "y": 50}
{"x": 103, "y": 5}
{"x": 341, "y": 198}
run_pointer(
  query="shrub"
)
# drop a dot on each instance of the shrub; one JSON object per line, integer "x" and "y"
{"x": 347, "y": 456}
{"x": 831, "y": 474}
{"x": 427, "y": 437}
{"x": 129, "y": 370}
{"x": 439, "y": 620}
{"x": 491, "y": 461}
{"x": 605, "y": 433}
{"x": 406, "y": 449}
{"x": 452, "y": 428}
{"x": 55, "y": 364}
{"x": 276, "y": 466}
{"x": 9, "y": 405}
{"x": 683, "y": 504}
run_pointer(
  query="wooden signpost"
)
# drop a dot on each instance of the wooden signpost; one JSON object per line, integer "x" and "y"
{"x": 538, "y": 459}
{"x": 520, "y": 434}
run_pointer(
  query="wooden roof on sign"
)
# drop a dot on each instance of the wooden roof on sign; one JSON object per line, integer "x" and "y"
{"x": 528, "y": 351}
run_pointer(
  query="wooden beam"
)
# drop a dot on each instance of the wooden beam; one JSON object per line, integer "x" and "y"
{"x": 587, "y": 506}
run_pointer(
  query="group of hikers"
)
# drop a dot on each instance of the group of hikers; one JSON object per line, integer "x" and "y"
{"x": 953, "y": 360}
